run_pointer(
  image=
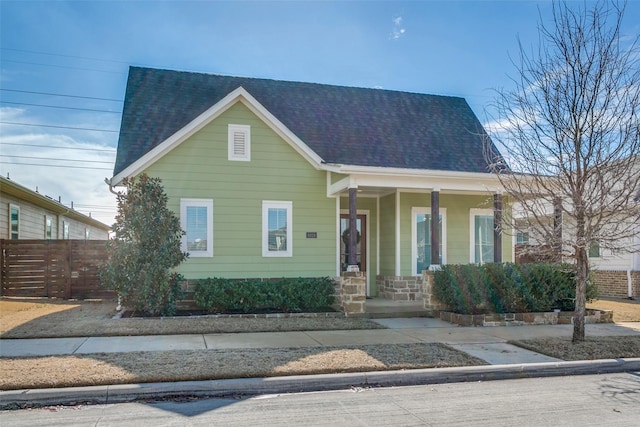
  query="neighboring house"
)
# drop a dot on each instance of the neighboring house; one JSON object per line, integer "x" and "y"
{"x": 615, "y": 271}
{"x": 27, "y": 214}
{"x": 268, "y": 175}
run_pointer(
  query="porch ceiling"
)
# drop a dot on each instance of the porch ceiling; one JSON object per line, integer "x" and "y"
{"x": 379, "y": 185}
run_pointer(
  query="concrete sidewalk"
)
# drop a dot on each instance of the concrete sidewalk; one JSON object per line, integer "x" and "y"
{"x": 487, "y": 343}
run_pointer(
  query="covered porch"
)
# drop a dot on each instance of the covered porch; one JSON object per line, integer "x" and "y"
{"x": 395, "y": 239}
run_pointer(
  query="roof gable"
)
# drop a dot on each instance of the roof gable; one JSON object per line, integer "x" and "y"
{"x": 341, "y": 125}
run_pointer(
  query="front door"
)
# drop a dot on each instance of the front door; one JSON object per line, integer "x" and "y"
{"x": 361, "y": 247}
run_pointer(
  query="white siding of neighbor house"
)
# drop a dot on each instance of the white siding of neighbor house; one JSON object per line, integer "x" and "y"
{"x": 32, "y": 222}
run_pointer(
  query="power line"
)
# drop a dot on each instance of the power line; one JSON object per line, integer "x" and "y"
{"x": 50, "y": 146}
{"x": 54, "y": 159}
{"x": 62, "y": 66}
{"x": 59, "y": 127}
{"x": 59, "y": 106}
{"x": 62, "y": 95}
{"x": 62, "y": 55}
{"x": 55, "y": 166}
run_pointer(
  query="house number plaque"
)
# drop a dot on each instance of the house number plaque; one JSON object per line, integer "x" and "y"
{"x": 312, "y": 235}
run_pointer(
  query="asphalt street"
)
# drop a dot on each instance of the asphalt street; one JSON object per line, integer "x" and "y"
{"x": 586, "y": 400}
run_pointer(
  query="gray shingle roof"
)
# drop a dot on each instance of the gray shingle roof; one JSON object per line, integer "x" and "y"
{"x": 344, "y": 125}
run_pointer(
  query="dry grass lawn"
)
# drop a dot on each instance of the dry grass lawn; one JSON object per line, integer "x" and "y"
{"x": 140, "y": 367}
{"x": 40, "y": 318}
{"x": 55, "y": 319}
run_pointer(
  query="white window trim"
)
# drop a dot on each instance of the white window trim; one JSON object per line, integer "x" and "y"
{"x": 65, "y": 228}
{"x": 208, "y": 204}
{"x": 472, "y": 235}
{"x": 49, "y": 219}
{"x": 11, "y": 207}
{"x": 599, "y": 251}
{"x": 415, "y": 211}
{"x": 269, "y": 204}
{"x": 246, "y": 130}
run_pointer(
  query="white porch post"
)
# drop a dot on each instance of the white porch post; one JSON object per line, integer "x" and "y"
{"x": 353, "y": 230}
{"x": 497, "y": 227}
{"x": 397, "y": 257}
{"x": 435, "y": 227}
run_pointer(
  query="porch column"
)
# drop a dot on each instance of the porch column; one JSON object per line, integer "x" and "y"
{"x": 435, "y": 227}
{"x": 497, "y": 227}
{"x": 557, "y": 228}
{"x": 353, "y": 230}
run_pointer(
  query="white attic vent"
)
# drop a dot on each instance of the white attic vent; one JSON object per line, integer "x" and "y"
{"x": 240, "y": 142}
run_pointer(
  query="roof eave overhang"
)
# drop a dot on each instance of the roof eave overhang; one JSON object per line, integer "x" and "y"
{"x": 412, "y": 179}
{"x": 238, "y": 95}
{"x": 45, "y": 202}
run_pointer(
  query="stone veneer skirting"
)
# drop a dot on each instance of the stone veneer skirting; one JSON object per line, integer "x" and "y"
{"x": 614, "y": 284}
{"x": 400, "y": 288}
{"x": 518, "y": 319}
{"x": 351, "y": 293}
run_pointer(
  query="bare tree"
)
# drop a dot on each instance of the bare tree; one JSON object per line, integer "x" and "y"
{"x": 570, "y": 131}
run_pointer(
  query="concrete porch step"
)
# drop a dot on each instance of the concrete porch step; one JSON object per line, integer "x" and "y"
{"x": 380, "y": 308}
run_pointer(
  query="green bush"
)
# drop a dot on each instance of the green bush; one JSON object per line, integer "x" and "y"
{"x": 288, "y": 295}
{"x": 507, "y": 288}
{"x": 145, "y": 250}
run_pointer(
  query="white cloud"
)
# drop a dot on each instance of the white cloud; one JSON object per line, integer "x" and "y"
{"x": 398, "y": 29}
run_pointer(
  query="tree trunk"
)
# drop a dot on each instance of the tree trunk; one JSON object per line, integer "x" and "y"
{"x": 582, "y": 274}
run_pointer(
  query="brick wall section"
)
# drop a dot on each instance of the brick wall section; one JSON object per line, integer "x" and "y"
{"x": 400, "y": 288}
{"x": 614, "y": 284}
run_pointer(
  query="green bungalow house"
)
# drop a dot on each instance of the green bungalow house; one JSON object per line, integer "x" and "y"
{"x": 268, "y": 178}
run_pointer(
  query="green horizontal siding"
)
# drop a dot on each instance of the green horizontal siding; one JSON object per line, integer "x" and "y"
{"x": 458, "y": 209}
{"x": 387, "y": 235}
{"x": 199, "y": 168}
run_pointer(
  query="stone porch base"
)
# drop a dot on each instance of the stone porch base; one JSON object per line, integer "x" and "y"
{"x": 400, "y": 288}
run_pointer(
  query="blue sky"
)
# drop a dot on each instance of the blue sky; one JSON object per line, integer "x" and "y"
{"x": 82, "y": 50}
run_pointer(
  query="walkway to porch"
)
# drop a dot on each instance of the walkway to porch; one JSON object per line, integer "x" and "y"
{"x": 385, "y": 308}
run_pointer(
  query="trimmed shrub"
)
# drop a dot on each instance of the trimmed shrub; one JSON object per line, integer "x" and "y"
{"x": 145, "y": 250}
{"x": 250, "y": 295}
{"x": 507, "y": 288}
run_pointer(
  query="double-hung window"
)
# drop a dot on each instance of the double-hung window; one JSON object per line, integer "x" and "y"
{"x": 277, "y": 229}
{"x": 481, "y": 227}
{"x": 421, "y": 238}
{"x": 522, "y": 238}
{"x": 196, "y": 219}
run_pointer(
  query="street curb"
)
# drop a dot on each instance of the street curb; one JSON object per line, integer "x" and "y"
{"x": 12, "y": 399}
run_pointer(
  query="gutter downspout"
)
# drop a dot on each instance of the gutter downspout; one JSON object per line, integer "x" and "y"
{"x": 108, "y": 182}
{"x": 629, "y": 285}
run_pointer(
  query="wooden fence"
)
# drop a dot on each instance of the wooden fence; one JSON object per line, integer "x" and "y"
{"x": 64, "y": 269}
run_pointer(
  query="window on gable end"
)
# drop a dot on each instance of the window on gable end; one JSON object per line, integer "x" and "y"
{"x": 196, "y": 219}
{"x": 277, "y": 229}
{"x": 239, "y": 142}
